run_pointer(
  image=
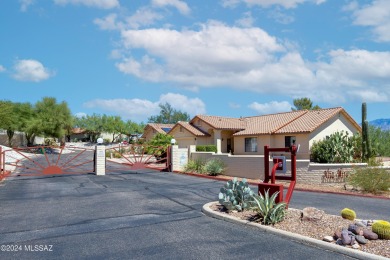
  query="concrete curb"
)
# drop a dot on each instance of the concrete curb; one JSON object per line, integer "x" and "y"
{"x": 295, "y": 237}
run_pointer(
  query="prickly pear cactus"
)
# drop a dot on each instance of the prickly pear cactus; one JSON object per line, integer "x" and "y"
{"x": 382, "y": 229}
{"x": 236, "y": 195}
{"x": 348, "y": 214}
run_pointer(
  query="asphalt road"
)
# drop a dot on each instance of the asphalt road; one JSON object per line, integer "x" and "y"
{"x": 148, "y": 215}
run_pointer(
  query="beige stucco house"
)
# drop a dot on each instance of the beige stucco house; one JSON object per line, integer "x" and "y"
{"x": 249, "y": 135}
{"x": 152, "y": 129}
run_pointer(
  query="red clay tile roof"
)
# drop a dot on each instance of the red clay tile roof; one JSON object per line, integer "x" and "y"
{"x": 268, "y": 124}
{"x": 78, "y": 130}
{"x": 190, "y": 128}
{"x": 301, "y": 121}
{"x": 157, "y": 127}
{"x": 310, "y": 121}
{"x": 221, "y": 123}
{"x": 160, "y": 127}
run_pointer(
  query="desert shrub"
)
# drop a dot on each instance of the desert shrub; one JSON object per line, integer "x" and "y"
{"x": 269, "y": 211}
{"x": 214, "y": 167}
{"x": 50, "y": 142}
{"x": 206, "y": 148}
{"x": 339, "y": 147}
{"x": 371, "y": 179}
{"x": 195, "y": 166}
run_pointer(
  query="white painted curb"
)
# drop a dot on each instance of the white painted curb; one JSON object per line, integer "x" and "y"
{"x": 296, "y": 237}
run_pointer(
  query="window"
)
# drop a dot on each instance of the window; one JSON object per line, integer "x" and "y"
{"x": 289, "y": 141}
{"x": 181, "y": 130}
{"x": 251, "y": 144}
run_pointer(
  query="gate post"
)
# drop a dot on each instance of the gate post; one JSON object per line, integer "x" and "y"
{"x": 100, "y": 160}
{"x": 1, "y": 163}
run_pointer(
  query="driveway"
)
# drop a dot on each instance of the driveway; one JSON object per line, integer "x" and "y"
{"x": 149, "y": 215}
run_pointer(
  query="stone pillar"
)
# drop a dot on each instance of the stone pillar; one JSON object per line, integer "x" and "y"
{"x": 179, "y": 158}
{"x": 217, "y": 140}
{"x": 100, "y": 160}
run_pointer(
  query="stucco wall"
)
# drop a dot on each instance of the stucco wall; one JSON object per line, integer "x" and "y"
{"x": 337, "y": 124}
{"x": 239, "y": 144}
{"x": 252, "y": 167}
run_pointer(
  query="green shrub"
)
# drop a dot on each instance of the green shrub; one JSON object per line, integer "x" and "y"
{"x": 195, "y": 166}
{"x": 206, "y": 148}
{"x": 214, "y": 167}
{"x": 372, "y": 179}
{"x": 339, "y": 147}
{"x": 268, "y": 211}
{"x": 236, "y": 195}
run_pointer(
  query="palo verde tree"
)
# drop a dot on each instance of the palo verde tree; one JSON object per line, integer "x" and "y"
{"x": 133, "y": 128}
{"x": 304, "y": 103}
{"x": 53, "y": 117}
{"x": 169, "y": 115}
{"x": 7, "y": 119}
{"x": 93, "y": 124}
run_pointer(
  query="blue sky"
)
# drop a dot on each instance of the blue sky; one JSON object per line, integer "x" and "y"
{"x": 224, "y": 57}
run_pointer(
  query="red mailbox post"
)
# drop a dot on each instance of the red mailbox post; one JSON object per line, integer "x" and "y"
{"x": 280, "y": 166}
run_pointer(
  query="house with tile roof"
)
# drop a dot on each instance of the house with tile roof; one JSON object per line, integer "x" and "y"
{"x": 152, "y": 129}
{"x": 249, "y": 135}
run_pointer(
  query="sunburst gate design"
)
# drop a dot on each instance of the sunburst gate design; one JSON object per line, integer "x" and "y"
{"x": 46, "y": 160}
{"x": 137, "y": 157}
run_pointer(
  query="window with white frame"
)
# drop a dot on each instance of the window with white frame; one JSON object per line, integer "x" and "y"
{"x": 251, "y": 144}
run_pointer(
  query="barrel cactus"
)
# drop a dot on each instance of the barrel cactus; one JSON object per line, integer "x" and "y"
{"x": 348, "y": 214}
{"x": 236, "y": 195}
{"x": 382, "y": 229}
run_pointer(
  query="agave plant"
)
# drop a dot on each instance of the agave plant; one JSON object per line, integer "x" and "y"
{"x": 269, "y": 211}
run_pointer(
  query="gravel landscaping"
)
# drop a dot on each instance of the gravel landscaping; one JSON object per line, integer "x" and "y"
{"x": 327, "y": 225}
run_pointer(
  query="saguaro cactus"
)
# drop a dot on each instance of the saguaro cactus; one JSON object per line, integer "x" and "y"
{"x": 366, "y": 146}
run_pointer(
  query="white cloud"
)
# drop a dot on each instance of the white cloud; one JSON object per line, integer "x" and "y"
{"x": 192, "y": 106}
{"x": 202, "y": 57}
{"x": 103, "y": 4}
{"x": 249, "y": 59}
{"x": 377, "y": 16}
{"x": 271, "y": 107}
{"x": 24, "y": 4}
{"x": 143, "y": 17}
{"x": 2, "y": 68}
{"x": 268, "y": 3}
{"x": 141, "y": 109}
{"x": 246, "y": 21}
{"x": 108, "y": 23}
{"x": 181, "y": 6}
{"x": 80, "y": 114}
{"x": 281, "y": 17}
{"x": 30, "y": 70}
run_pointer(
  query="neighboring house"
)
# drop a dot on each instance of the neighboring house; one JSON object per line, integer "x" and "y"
{"x": 152, "y": 129}
{"x": 79, "y": 135}
{"x": 249, "y": 135}
{"x": 82, "y": 135}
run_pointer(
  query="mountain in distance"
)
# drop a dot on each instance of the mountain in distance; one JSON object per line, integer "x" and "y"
{"x": 383, "y": 124}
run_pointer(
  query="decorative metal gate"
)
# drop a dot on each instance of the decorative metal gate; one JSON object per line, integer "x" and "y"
{"x": 137, "y": 157}
{"x": 47, "y": 160}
